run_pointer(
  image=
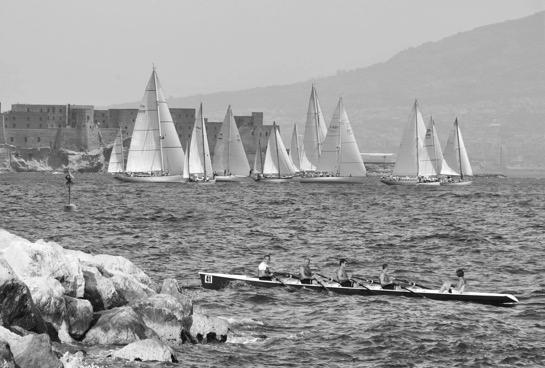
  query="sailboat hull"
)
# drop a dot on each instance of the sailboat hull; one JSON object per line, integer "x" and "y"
{"x": 274, "y": 180}
{"x": 151, "y": 179}
{"x": 334, "y": 179}
{"x": 407, "y": 181}
{"x": 458, "y": 183}
{"x": 232, "y": 179}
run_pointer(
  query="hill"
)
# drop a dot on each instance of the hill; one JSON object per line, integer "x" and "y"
{"x": 492, "y": 78}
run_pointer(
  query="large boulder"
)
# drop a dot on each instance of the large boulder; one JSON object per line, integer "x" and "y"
{"x": 48, "y": 295}
{"x": 17, "y": 307}
{"x": 206, "y": 329}
{"x": 171, "y": 287}
{"x": 145, "y": 350}
{"x": 79, "y": 315}
{"x": 165, "y": 315}
{"x": 118, "y": 326}
{"x": 42, "y": 259}
{"x": 100, "y": 290}
{"x": 6, "y": 356}
{"x": 130, "y": 288}
{"x": 35, "y": 351}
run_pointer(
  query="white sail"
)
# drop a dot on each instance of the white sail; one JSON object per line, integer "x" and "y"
{"x": 340, "y": 152}
{"x": 199, "y": 153}
{"x": 315, "y": 129}
{"x": 277, "y": 160}
{"x": 155, "y": 145}
{"x": 433, "y": 148}
{"x": 413, "y": 158}
{"x": 117, "y": 160}
{"x": 455, "y": 152}
{"x": 258, "y": 160}
{"x": 297, "y": 152}
{"x": 185, "y": 171}
{"x": 229, "y": 155}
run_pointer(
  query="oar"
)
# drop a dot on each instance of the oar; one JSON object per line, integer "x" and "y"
{"x": 283, "y": 284}
{"x": 322, "y": 284}
{"x": 370, "y": 281}
{"x": 413, "y": 283}
{"x": 412, "y": 292}
{"x": 360, "y": 284}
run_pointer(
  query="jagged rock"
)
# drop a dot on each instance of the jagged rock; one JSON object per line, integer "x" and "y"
{"x": 48, "y": 295}
{"x": 165, "y": 315}
{"x": 100, "y": 290}
{"x": 73, "y": 360}
{"x": 6, "y": 356}
{"x": 118, "y": 326}
{"x": 206, "y": 329}
{"x": 6, "y": 272}
{"x": 34, "y": 351}
{"x": 171, "y": 287}
{"x": 18, "y": 309}
{"x": 130, "y": 288}
{"x": 42, "y": 259}
{"x": 79, "y": 315}
{"x": 145, "y": 350}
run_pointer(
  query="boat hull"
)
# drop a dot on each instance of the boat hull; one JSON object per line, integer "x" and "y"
{"x": 151, "y": 179}
{"x": 458, "y": 183}
{"x": 274, "y": 180}
{"x": 218, "y": 281}
{"x": 333, "y": 179}
{"x": 408, "y": 182}
{"x": 232, "y": 179}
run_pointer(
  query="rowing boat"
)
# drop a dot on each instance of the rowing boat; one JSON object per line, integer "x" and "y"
{"x": 219, "y": 281}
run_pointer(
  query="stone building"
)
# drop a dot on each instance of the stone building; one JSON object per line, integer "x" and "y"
{"x": 29, "y": 127}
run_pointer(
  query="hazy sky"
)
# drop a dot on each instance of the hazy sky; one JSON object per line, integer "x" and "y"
{"x": 101, "y": 51}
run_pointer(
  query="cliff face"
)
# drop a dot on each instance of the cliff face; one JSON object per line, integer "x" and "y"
{"x": 492, "y": 78}
{"x": 51, "y": 160}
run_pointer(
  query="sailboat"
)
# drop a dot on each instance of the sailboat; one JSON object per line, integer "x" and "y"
{"x": 230, "y": 162}
{"x": 456, "y": 157}
{"x": 257, "y": 171}
{"x": 340, "y": 160}
{"x": 435, "y": 154}
{"x": 117, "y": 158}
{"x": 200, "y": 165}
{"x": 297, "y": 153}
{"x": 278, "y": 167}
{"x": 155, "y": 153}
{"x": 315, "y": 130}
{"x": 414, "y": 165}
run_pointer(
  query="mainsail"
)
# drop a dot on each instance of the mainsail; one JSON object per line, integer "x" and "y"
{"x": 229, "y": 154}
{"x": 258, "y": 160}
{"x": 117, "y": 160}
{"x": 433, "y": 148}
{"x": 297, "y": 153}
{"x": 413, "y": 158}
{"x": 340, "y": 153}
{"x": 155, "y": 146}
{"x": 315, "y": 129}
{"x": 199, "y": 152}
{"x": 277, "y": 160}
{"x": 455, "y": 152}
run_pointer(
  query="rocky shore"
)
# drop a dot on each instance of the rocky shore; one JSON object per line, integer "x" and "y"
{"x": 56, "y": 304}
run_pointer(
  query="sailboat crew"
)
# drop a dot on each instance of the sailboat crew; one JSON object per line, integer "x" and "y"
{"x": 460, "y": 286}
{"x": 263, "y": 270}
{"x": 342, "y": 277}
{"x": 386, "y": 281}
{"x": 305, "y": 273}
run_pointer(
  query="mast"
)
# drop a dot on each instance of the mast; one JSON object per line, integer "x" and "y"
{"x": 416, "y": 130}
{"x": 435, "y": 155}
{"x": 122, "y": 153}
{"x": 316, "y": 121}
{"x": 260, "y": 154}
{"x": 158, "y": 119}
{"x": 339, "y": 143}
{"x": 203, "y": 143}
{"x": 276, "y": 145}
{"x": 459, "y": 153}
{"x": 229, "y": 141}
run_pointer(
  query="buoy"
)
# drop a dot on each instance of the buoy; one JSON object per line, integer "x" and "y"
{"x": 69, "y": 207}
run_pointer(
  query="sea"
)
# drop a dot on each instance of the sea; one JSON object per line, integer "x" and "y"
{"x": 493, "y": 229}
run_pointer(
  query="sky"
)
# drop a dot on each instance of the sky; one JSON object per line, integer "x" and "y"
{"x": 101, "y": 52}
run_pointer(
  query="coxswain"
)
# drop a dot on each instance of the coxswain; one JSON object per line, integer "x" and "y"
{"x": 447, "y": 287}
{"x": 305, "y": 273}
{"x": 342, "y": 277}
{"x": 386, "y": 281}
{"x": 263, "y": 270}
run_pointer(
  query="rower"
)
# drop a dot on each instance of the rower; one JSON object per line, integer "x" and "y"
{"x": 263, "y": 270}
{"x": 342, "y": 277}
{"x": 460, "y": 286}
{"x": 386, "y": 281}
{"x": 305, "y": 273}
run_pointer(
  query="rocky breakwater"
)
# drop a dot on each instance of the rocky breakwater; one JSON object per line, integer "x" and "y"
{"x": 54, "y": 299}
